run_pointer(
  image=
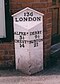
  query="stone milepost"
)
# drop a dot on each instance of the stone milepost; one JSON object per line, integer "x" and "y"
{"x": 28, "y": 38}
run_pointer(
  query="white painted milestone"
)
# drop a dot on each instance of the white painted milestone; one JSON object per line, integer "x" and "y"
{"x": 28, "y": 37}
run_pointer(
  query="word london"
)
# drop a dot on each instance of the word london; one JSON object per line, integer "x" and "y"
{"x": 28, "y": 19}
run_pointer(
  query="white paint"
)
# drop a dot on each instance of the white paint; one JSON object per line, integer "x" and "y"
{"x": 29, "y": 56}
{"x": 2, "y": 20}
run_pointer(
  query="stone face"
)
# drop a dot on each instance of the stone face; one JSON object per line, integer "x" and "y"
{"x": 28, "y": 37}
